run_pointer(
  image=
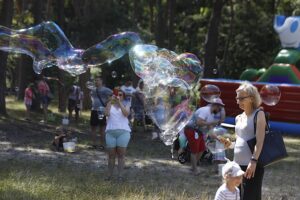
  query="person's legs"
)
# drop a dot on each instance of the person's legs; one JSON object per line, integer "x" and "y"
{"x": 121, "y": 160}
{"x": 94, "y": 123}
{"x": 251, "y": 188}
{"x": 111, "y": 152}
{"x": 194, "y": 144}
{"x": 94, "y": 135}
{"x": 76, "y": 113}
{"x": 27, "y": 114}
{"x": 102, "y": 126}
{"x": 102, "y": 135}
{"x": 123, "y": 138}
{"x": 45, "y": 111}
{"x": 111, "y": 147}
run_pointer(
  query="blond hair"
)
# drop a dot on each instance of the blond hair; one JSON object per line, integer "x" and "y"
{"x": 252, "y": 91}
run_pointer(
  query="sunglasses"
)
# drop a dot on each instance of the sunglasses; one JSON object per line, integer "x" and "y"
{"x": 241, "y": 98}
{"x": 120, "y": 95}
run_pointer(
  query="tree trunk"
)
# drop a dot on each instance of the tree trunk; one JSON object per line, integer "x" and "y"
{"x": 5, "y": 20}
{"x": 171, "y": 15}
{"x": 151, "y": 5}
{"x": 25, "y": 68}
{"x": 227, "y": 45}
{"x": 211, "y": 44}
{"x": 62, "y": 94}
{"x": 159, "y": 33}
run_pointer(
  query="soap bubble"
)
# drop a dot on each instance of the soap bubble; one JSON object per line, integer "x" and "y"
{"x": 114, "y": 74}
{"x": 189, "y": 68}
{"x": 209, "y": 92}
{"x": 48, "y": 46}
{"x": 169, "y": 106}
{"x": 214, "y": 136}
{"x": 270, "y": 95}
{"x": 112, "y": 48}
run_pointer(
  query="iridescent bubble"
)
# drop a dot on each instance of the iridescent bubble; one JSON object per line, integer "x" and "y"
{"x": 112, "y": 48}
{"x": 189, "y": 68}
{"x": 169, "y": 106}
{"x": 209, "y": 92}
{"x": 213, "y": 142}
{"x": 114, "y": 74}
{"x": 270, "y": 95}
{"x": 149, "y": 61}
{"x": 48, "y": 46}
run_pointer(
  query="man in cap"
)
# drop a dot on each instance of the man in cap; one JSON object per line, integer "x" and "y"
{"x": 202, "y": 121}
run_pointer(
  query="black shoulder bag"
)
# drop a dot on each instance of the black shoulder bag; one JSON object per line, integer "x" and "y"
{"x": 273, "y": 148}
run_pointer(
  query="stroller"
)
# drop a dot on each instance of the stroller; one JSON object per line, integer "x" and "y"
{"x": 185, "y": 156}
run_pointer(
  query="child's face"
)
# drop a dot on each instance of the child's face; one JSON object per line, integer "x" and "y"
{"x": 237, "y": 180}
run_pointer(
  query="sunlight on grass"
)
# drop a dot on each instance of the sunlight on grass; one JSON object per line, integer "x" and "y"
{"x": 30, "y": 170}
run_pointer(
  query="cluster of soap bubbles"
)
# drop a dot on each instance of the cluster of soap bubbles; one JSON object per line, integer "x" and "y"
{"x": 169, "y": 78}
{"x": 48, "y": 46}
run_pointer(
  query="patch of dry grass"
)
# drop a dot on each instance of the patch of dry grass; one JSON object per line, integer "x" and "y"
{"x": 29, "y": 170}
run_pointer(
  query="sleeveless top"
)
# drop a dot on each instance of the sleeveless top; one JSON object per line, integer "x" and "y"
{"x": 244, "y": 129}
{"x": 117, "y": 120}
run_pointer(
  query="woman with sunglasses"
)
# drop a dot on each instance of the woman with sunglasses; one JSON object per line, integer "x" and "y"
{"x": 249, "y": 100}
{"x": 117, "y": 133}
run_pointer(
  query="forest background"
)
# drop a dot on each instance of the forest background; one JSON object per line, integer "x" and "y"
{"x": 228, "y": 36}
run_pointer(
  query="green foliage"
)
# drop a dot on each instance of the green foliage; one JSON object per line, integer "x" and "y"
{"x": 246, "y": 36}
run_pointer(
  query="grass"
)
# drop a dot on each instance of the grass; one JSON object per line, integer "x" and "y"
{"x": 29, "y": 170}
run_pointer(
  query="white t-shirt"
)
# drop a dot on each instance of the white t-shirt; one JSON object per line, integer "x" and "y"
{"x": 224, "y": 194}
{"x": 116, "y": 120}
{"x": 205, "y": 114}
{"x": 128, "y": 90}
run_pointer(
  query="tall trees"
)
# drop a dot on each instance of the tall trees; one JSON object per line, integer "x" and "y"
{"x": 6, "y": 16}
{"x": 211, "y": 44}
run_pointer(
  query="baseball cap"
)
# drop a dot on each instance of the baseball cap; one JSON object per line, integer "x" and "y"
{"x": 218, "y": 101}
{"x": 232, "y": 169}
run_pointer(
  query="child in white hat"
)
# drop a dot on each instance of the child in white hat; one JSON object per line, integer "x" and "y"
{"x": 233, "y": 176}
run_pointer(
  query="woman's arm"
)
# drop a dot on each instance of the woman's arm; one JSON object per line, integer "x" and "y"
{"x": 260, "y": 134}
{"x": 107, "y": 108}
{"x": 125, "y": 109}
{"x": 260, "y": 137}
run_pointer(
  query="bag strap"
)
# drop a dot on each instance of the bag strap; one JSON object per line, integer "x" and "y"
{"x": 255, "y": 121}
{"x": 99, "y": 97}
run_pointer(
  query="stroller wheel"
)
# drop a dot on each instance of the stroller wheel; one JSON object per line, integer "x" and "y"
{"x": 182, "y": 158}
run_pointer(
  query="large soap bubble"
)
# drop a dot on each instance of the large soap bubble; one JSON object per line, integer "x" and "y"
{"x": 168, "y": 103}
{"x": 189, "y": 68}
{"x": 48, "y": 46}
{"x": 270, "y": 95}
{"x": 217, "y": 136}
{"x": 209, "y": 92}
{"x": 112, "y": 48}
{"x": 149, "y": 61}
{"x": 169, "y": 81}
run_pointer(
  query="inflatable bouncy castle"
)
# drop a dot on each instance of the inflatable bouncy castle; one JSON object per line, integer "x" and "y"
{"x": 284, "y": 73}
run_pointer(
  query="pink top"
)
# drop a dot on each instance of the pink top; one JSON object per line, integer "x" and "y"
{"x": 43, "y": 87}
{"x": 28, "y": 96}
